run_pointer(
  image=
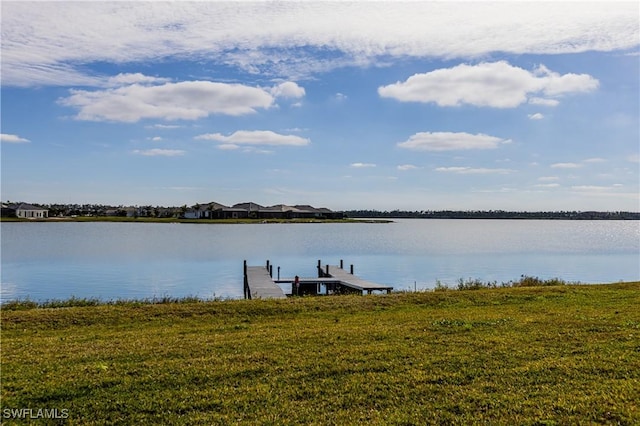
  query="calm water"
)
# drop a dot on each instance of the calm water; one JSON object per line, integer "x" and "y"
{"x": 125, "y": 260}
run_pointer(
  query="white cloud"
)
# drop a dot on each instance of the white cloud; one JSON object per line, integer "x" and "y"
{"x": 228, "y": 147}
{"x": 544, "y": 102}
{"x": 547, "y": 185}
{"x": 633, "y": 158}
{"x": 156, "y": 139}
{"x": 187, "y": 100}
{"x": 594, "y": 160}
{"x": 565, "y": 166}
{"x": 362, "y": 165}
{"x": 288, "y": 89}
{"x": 536, "y": 116}
{"x": 472, "y": 170}
{"x": 160, "y": 152}
{"x": 256, "y": 137}
{"x": 554, "y": 84}
{"x": 405, "y": 167}
{"x": 340, "y": 97}
{"x": 133, "y": 78}
{"x": 548, "y": 178}
{"x": 7, "y": 138}
{"x": 40, "y": 47}
{"x": 591, "y": 188}
{"x": 488, "y": 84}
{"x": 448, "y": 141}
{"x": 163, "y": 126}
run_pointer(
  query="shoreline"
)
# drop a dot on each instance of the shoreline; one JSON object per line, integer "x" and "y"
{"x": 20, "y": 304}
{"x": 115, "y": 219}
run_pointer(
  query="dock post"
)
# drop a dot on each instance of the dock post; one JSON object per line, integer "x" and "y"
{"x": 352, "y": 269}
{"x": 341, "y": 264}
{"x": 271, "y": 271}
{"x": 278, "y": 273}
{"x": 247, "y": 291}
{"x": 319, "y": 268}
{"x": 267, "y": 264}
{"x": 327, "y": 268}
{"x": 244, "y": 281}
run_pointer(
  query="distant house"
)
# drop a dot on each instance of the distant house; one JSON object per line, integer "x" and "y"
{"x": 193, "y": 213}
{"x": 252, "y": 210}
{"x": 321, "y": 213}
{"x": 8, "y": 210}
{"x": 233, "y": 213}
{"x": 279, "y": 211}
{"x": 29, "y": 211}
{"x": 212, "y": 210}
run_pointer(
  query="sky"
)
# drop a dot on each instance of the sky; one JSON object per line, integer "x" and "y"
{"x": 346, "y": 105}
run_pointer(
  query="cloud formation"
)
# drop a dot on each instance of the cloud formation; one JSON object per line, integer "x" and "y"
{"x": 41, "y": 48}
{"x": 405, "y": 167}
{"x": 157, "y": 152}
{"x": 544, "y": 102}
{"x": 472, "y": 170}
{"x": 565, "y": 166}
{"x": 288, "y": 89}
{"x": 450, "y": 141}
{"x": 8, "y": 138}
{"x": 361, "y": 165}
{"x": 488, "y": 84}
{"x": 254, "y": 138}
{"x": 139, "y": 98}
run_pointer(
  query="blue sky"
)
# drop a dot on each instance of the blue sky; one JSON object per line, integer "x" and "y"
{"x": 345, "y": 105}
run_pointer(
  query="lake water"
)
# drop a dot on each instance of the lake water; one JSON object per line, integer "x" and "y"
{"x": 49, "y": 260}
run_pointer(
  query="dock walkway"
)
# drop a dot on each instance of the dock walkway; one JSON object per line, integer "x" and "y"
{"x": 352, "y": 281}
{"x": 258, "y": 284}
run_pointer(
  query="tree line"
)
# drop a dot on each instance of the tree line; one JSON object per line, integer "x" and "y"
{"x": 493, "y": 214}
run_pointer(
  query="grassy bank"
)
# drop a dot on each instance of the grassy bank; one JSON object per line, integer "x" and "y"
{"x": 528, "y": 355}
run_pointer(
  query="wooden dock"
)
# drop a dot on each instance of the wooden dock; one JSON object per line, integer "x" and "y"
{"x": 260, "y": 284}
{"x": 348, "y": 279}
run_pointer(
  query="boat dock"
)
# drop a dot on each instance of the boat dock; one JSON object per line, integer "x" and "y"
{"x": 350, "y": 281}
{"x": 260, "y": 284}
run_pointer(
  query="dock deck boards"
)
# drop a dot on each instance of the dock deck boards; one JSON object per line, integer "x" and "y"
{"x": 261, "y": 285}
{"x": 356, "y": 282}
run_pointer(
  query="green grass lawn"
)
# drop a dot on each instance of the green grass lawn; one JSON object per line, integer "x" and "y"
{"x": 507, "y": 356}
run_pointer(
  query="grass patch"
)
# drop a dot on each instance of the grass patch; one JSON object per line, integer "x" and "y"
{"x": 23, "y": 304}
{"x": 524, "y": 281}
{"x": 565, "y": 354}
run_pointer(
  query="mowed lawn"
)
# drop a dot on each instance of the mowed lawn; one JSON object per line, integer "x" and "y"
{"x": 527, "y": 356}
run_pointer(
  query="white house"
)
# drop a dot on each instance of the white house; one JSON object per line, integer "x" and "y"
{"x": 30, "y": 211}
